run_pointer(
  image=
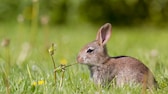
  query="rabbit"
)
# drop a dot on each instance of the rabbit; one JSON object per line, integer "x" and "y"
{"x": 104, "y": 69}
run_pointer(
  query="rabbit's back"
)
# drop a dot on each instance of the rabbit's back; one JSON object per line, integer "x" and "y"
{"x": 129, "y": 70}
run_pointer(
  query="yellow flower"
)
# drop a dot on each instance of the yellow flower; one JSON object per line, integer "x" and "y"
{"x": 34, "y": 83}
{"x": 41, "y": 82}
{"x": 63, "y": 61}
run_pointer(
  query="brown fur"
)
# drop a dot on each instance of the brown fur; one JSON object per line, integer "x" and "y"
{"x": 104, "y": 68}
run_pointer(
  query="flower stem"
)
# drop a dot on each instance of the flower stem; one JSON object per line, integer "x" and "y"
{"x": 54, "y": 68}
{"x": 61, "y": 81}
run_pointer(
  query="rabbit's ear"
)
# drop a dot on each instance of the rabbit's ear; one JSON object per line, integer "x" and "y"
{"x": 104, "y": 34}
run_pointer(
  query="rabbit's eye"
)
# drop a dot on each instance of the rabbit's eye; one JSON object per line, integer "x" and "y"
{"x": 90, "y": 50}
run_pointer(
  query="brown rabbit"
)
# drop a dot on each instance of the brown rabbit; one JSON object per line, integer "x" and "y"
{"x": 104, "y": 68}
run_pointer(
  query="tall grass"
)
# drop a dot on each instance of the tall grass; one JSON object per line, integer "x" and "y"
{"x": 34, "y": 74}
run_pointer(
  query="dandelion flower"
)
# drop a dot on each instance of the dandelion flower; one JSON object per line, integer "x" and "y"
{"x": 34, "y": 83}
{"x": 40, "y": 82}
{"x": 63, "y": 61}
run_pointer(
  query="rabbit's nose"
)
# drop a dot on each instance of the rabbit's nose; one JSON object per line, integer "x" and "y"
{"x": 79, "y": 59}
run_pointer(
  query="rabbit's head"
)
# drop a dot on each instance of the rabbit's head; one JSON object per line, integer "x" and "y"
{"x": 95, "y": 53}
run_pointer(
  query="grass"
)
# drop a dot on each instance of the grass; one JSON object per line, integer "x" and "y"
{"x": 30, "y": 69}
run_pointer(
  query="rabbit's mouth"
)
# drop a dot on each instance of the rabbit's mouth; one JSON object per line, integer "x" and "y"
{"x": 84, "y": 60}
{"x": 79, "y": 59}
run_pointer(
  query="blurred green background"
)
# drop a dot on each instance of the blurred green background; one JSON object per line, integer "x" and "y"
{"x": 28, "y": 27}
{"x": 118, "y": 12}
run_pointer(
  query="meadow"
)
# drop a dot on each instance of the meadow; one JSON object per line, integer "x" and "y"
{"x": 26, "y": 66}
